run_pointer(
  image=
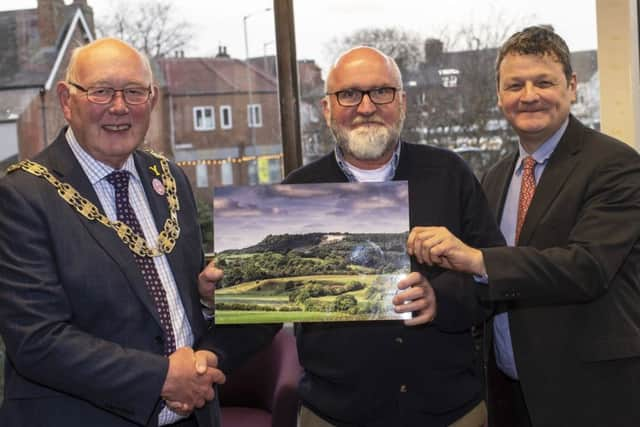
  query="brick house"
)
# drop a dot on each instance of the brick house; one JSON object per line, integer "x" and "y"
{"x": 316, "y": 137}
{"x": 35, "y": 45}
{"x": 221, "y": 120}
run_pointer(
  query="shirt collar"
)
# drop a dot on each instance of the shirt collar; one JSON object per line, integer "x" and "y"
{"x": 346, "y": 167}
{"x": 542, "y": 154}
{"x": 95, "y": 169}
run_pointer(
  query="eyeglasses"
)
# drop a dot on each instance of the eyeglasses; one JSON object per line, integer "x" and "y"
{"x": 353, "y": 97}
{"x": 104, "y": 95}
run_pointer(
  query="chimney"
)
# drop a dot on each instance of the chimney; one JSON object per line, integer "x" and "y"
{"x": 222, "y": 52}
{"x": 50, "y": 20}
{"x": 432, "y": 51}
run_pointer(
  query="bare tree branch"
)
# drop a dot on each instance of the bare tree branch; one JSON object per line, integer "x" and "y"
{"x": 402, "y": 45}
{"x": 149, "y": 27}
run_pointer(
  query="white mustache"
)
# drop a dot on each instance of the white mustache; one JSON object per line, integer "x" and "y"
{"x": 361, "y": 121}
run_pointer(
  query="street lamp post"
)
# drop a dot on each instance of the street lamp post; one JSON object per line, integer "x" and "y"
{"x": 250, "y": 122}
{"x": 268, "y": 66}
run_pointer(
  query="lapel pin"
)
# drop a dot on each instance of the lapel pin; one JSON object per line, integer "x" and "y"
{"x": 154, "y": 169}
{"x": 158, "y": 186}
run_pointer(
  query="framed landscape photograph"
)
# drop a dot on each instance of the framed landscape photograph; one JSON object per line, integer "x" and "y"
{"x": 310, "y": 252}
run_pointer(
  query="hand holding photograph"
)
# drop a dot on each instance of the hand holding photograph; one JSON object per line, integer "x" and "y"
{"x": 310, "y": 252}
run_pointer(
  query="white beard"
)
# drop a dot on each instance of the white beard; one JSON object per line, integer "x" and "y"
{"x": 367, "y": 142}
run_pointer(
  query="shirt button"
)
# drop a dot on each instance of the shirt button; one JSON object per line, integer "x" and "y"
{"x": 399, "y": 340}
{"x": 403, "y": 388}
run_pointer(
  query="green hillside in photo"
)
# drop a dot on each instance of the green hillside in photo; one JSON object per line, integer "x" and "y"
{"x": 311, "y": 277}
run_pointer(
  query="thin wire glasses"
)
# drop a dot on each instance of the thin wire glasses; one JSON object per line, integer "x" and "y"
{"x": 353, "y": 97}
{"x": 104, "y": 95}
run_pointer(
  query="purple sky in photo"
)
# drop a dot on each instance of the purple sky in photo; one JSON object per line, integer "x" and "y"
{"x": 244, "y": 215}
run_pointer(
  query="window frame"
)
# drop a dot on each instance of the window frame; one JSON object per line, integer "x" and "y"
{"x": 222, "y": 109}
{"x": 203, "y": 108}
{"x": 251, "y": 116}
{"x": 202, "y": 175}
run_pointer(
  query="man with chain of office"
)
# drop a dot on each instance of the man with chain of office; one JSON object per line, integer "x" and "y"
{"x": 100, "y": 262}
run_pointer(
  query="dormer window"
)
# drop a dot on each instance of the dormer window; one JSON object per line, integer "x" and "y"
{"x": 449, "y": 77}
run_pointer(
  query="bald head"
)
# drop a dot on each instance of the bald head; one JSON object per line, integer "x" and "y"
{"x": 107, "y": 99}
{"x": 364, "y": 57}
{"x": 106, "y": 46}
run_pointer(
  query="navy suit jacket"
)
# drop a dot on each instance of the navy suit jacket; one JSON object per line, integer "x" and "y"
{"x": 572, "y": 286}
{"x": 83, "y": 337}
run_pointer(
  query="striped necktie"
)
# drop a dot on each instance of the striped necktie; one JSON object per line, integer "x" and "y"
{"x": 120, "y": 182}
{"x": 527, "y": 189}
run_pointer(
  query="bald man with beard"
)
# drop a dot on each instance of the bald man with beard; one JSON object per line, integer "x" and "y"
{"x": 423, "y": 371}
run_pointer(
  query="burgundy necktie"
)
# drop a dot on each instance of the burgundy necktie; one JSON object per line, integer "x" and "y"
{"x": 120, "y": 182}
{"x": 527, "y": 189}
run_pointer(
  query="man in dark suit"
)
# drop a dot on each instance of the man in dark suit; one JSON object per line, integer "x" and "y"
{"x": 100, "y": 261}
{"x": 567, "y": 342}
{"x": 421, "y": 372}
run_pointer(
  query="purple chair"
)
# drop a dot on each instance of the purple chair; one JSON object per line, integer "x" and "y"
{"x": 263, "y": 392}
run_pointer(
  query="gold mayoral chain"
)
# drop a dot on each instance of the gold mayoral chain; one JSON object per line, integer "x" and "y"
{"x": 167, "y": 237}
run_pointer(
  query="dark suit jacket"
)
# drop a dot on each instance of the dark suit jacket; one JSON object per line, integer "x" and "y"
{"x": 572, "y": 287}
{"x": 84, "y": 341}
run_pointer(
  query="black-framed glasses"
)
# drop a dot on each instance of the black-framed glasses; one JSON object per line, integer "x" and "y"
{"x": 134, "y": 95}
{"x": 377, "y": 95}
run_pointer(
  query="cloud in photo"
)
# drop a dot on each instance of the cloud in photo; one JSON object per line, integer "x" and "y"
{"x": 244, "y": 215}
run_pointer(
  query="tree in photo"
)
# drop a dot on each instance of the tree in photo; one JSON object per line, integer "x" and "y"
{"x": 149, "y": 26}
{"x": 402, "y": 45}
{"x": 454, "y": 102}
{"x": 346, "y": 303}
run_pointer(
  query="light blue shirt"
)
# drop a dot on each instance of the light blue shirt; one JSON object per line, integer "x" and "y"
{"x": 97, "y": 172}
{"x": 502, "y": 337}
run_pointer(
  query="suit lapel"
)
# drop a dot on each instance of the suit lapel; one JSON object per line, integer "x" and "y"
{"x": 561, "y": 165}
{"x": 497, "y": 183}
{"x": 66, "y": 167}
{"x": 148, "y": 169}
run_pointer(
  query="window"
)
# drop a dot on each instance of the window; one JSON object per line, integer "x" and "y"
{"x": 269, "y": 170}
{"x": 449, "y": 77}
{"x": 202, "y": 177}
{"x": 253, "y": 173}
{"x": 203, "y": 118}
{"x": 226, "y": 174}
{"x": 254, "y": 114}
{"x": 225, "y": 117}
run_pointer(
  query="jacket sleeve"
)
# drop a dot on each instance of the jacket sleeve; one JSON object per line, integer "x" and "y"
{"x": 237, "y": 343}
{"x": 581, "y": 242}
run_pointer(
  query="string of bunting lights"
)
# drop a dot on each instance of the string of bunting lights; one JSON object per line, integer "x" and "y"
{"x": 217, "y": 162}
